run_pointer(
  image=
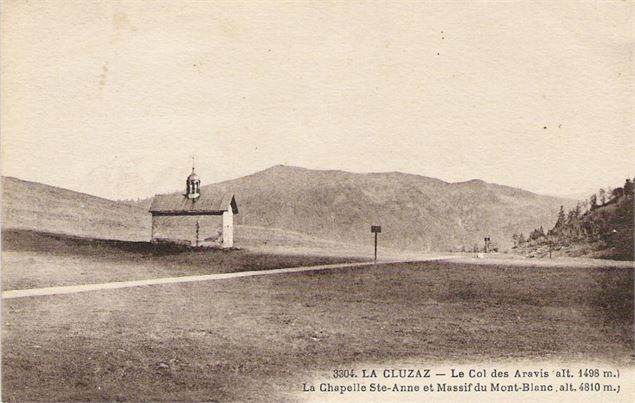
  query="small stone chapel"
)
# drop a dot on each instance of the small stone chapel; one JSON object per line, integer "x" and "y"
{"x": 198, "y": 217}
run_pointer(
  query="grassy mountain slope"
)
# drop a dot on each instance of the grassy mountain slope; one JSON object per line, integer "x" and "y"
{"x": 48, "y": 209}
{"x": 415, "y": 212}
{"x": 39, "y": 207}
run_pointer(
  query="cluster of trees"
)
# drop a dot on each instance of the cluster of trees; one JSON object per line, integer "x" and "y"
{"x": 608, "y": 195}
{"x": 589, "y": 221}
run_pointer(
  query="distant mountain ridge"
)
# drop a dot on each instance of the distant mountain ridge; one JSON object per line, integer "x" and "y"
{"x": 415, "y": 212}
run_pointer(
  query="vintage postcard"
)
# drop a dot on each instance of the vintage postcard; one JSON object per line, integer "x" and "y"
{"x": 317, "y": 201}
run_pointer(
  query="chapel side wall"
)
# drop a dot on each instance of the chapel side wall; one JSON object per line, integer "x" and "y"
{"x": 175, "y": 228}
{"x": 183, "y": 229}
{"x": 211, "y": 229}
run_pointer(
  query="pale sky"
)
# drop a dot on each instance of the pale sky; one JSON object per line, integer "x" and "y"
{"x": 113, "y": 98}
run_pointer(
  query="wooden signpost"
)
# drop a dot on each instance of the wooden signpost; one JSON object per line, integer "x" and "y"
{"x": 375, "y": 229}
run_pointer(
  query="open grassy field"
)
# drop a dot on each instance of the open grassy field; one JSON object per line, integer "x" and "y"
{"x": 33, "y": 259}
{"x": 259, "y": 338}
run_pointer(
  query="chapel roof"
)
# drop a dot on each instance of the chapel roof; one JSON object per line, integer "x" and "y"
{"x": 209, "y": 202}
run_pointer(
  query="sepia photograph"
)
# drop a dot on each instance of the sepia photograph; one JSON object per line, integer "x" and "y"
{"x": 317, "y": 201}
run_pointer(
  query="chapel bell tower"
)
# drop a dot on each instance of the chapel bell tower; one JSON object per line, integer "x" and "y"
{"x": 193, "y": 186}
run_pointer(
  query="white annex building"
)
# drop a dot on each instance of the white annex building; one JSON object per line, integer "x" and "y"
{"x": 197, "y": 217}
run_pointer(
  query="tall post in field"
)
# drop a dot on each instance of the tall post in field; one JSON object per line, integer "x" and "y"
{"x": 376, "y": 229}
{"x": 375, "y": 247}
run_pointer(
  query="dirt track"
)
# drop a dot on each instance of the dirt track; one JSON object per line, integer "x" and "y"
{"x": 185, "y": 279}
